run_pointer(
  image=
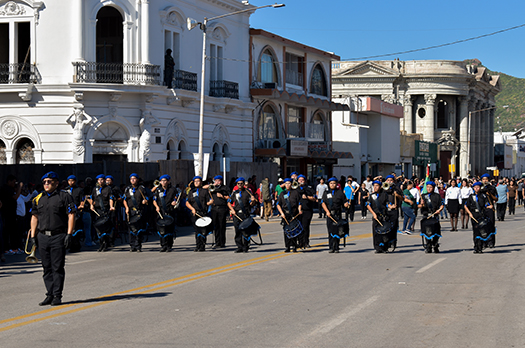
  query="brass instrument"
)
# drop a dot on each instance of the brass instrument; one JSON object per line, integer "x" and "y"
{"x": 156, "y": 183}
{"x": 212, "y": 187}
{"x": 31, "y": 258}
{"x": 295, "y": 185}
{"x": 386, "y": 186}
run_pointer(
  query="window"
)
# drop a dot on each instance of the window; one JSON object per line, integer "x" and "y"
{"x": 15, "y": 52}
{"x": 24, "y": 152}
{"x": 110, "y": 36}
{"x": 317, "y": 128}
{"x": 268, "y": 124}
{"x": 295, "y": 124}
{"x": 268, "y": 68}
{"x": 442, "y": 114}
{"x": 172, "y": 41}
{"x": 318, "y": 83}
{"x": 216, "y": 55}
{"x": 294, "y": 69}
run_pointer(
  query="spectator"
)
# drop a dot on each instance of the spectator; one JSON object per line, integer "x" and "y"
{"x": 363, "y": 194}
{"x": 319, "y": 191}
{"x": 503, "y": 195}
{"x": 408, "y": 208}
{"x": 513, "y": 189}
{"x": 520, "y": 192}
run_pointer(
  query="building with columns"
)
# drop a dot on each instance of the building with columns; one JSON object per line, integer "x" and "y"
{"x": 448, "y": 102}
{"x": 85, "y": 80}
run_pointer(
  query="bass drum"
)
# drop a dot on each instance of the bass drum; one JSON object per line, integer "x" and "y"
{"x": 343, "y": 228}
{"x": 166, "y": 220}
{"x": 248, "y": 227}
{"x": 385, "y": 228}
{"x": 102, "y": 222}
{"x": 293, "y": 229}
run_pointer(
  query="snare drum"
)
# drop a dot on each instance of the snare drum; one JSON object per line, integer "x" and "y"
{"x": 203, "y": 222}
{"x": 293, "y": 229}
{"x": 249, "y": 227}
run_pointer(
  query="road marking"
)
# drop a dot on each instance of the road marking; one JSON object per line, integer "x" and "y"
{"x": 79, "y": 262}
{"x": 430, "y": 265}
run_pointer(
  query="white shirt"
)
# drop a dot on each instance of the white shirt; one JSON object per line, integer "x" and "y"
{"x": 466, "y": 192}
{"x": 369, "y": 185}
{"x": 415, "y": 192}
{"x": 453, "y": 192}
{"x": 21, "y": 204}
{"x": 320, "y": 190}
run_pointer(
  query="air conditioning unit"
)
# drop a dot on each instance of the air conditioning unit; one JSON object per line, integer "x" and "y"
{"x": 270, "y": 85}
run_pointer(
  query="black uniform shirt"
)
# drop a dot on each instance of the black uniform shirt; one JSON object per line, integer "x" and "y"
{"x": 200, "y": 195}
{"x": 76, "y": 193}
{"x": 477, "y": 204}
{"x": 137, "y": 194}
{"x": 244, "y": 197}
{"x": 307, "y": 191}
{"x": 220, "y": 202}
{"x": 334, "y": 200}
{"x": 293, "y": 198}
{"x": 115, "y": 191}
{"x": 393, "y": 199}
{"x": 169, "y": 195}
{"x": 435, "y": 202}
{"x": 378, "y": 202}
{"x": 103, "y": 193}
{"x": 52, "y": 210}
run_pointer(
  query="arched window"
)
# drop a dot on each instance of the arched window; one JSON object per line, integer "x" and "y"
{"x": 226, "y": 150}
{"x": 317, "y": 128}
{"x": 268, "y": 68}
{"x": 217, "y": 155}
{"x": 3, "y": 158}
{"x": 110, "y": 46}
{"x": 24, "y": 152}
{"x": 172, "y": 152}
{"x": 268, "y": 128}
{"x": 318, "y": 83}
{"x": 183, "y": 150}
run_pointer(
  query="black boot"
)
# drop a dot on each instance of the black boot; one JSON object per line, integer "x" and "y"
{"x": 47, "y": 301}
{"x": 57, "y": 301}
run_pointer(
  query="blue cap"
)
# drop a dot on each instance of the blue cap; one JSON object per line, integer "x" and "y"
{"x": 100, "y": 176}
{"x": 430, "y": 183}
{"x": 477, "y": 184}
{"x": 71, "y": 177}
{"x": 287, "y": 180}
{"x": 333, "y": 179}
{"x": 50, "y": 175}
{"x": 485, "y": 176}
{"x": 377, "y": 182}
{"x": 240, "y": 179}
{"x": 165, "y": 176}
{"x": 134, "y": 174}
{"x": 218, "y": 177}
{"x": 390, "y": 177}
{"x": 301, "y": 176}
{"x": 293, "y": 173}
{"x": 197, "y": 177}
{"x": 110, "y": 177}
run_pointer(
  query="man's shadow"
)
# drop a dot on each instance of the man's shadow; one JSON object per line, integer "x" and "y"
{"x": 118, "y": 298}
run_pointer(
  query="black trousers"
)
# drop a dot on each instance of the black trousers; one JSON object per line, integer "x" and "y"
{"x": 218, "y": 215}
{"x": 167, "y": 235}
{"x": 306, "y": 219}
{"x": 501, "y": 210}
{"x": 350, "y": 212}
{"x": 200, "y": 233}
{"x": 333, "y": 240}
{"x": 512, "y": 205}
{"x": 53, "y": 254}
{"x": 242, "y": 242}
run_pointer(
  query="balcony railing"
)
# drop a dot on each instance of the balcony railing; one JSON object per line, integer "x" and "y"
{"x": 128, "y": 73}
{"x": 19, "y": 73}
{"x": 224, "y": 89}
{"x": 294, "y": 77}
{"x": 184, "y": 80}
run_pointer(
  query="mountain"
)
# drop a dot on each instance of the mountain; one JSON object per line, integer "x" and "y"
{"x": 510, "y": 101}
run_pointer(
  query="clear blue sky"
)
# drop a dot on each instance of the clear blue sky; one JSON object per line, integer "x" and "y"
{"x": 353, "y": 29}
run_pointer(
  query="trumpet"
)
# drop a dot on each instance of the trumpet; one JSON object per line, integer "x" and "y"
{"x": 212, "y": 187}
{"x": 31, "y": 258}
{"x": 295, "y": 185}
{"x": 386, "y": 186}
{"x": 156, "y": 183}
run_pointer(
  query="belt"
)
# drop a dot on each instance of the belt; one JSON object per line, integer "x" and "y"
{"x": 52, "y": 233}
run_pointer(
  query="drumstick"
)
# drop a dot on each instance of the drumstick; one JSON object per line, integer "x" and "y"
{"x": 160, "y": 215}
{"x": 379, "y": 222}
{"x": 238, "y": 217}
{"x": 144, "y": 198}
{"x": 198, "y": 215}
{"x": 286, "y": 220}
{"x": 294, "y": 217}
{"x": 94, "y": 211}
{"x": 332, "y": 218}
{"x": 474, "y": 219}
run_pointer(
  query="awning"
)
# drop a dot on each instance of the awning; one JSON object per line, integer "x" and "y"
{"x": 299, "y": 99}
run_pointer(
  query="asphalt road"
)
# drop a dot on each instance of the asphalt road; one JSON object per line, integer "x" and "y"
{"x": 267, "y": 298}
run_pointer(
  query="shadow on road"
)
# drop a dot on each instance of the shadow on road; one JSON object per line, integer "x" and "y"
{"x": 119, "y": 297}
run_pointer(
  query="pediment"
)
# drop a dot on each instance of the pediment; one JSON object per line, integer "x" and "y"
{"x": 368, "y": 69}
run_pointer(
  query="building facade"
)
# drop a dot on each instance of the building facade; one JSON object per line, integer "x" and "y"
{"x": 85, "y": 80}
{"x": 448, "y": 102}
{"x": 290, "y": 85}
{"x": 509, "y": 153}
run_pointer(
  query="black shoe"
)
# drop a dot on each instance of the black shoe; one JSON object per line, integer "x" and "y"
{"x": 245, "y": 251}
{"x": 164, "y": 249}
{"x": 202, "y": 249}
{"x": 102, "y": 246}
{"x": 131, "y": 250}
{"x": 379, "y": 251}
{"x": 287, "y": 250}
{"x": 337, "y": 251}
{"x": 238, "y": 251}
{"x": 57, "y": 301}
{"x": 294, "y": 250}
{"x": 47, "y": 301}
{"x": 436, "y": 250}
{"x": 428, "y": 251}
{"x": 331, "y": 251}
{"x": 139, "y": 249}
{"x": 196, "y": 249}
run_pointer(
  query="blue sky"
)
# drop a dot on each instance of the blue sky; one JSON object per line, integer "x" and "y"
{"x": 353, "y": 29}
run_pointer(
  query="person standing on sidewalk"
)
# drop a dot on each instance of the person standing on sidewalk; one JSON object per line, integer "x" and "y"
{"x": 503, "y": 195}
{"x": 319, "y": 190}
{"x": 513, "y": 189}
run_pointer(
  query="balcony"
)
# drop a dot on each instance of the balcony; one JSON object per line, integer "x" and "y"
{"x": 19, "y": 73}
{"x": 294, "y": 77}
{"x": 184, "y": 80}
{"x": 224, "y": 89}
{"x": 128, "y": 73}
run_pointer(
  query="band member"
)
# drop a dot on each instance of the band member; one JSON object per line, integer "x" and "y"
{"x": 198, "y": 203}
{"x": 334, "y": 200}
{"x": 135, "y": 202}
{"x": 431, "y": 205}
{"x": 165, "y": 200}
{"x": 219, "y": 210}
{"x": 52, "y": 223}
{"x": 102, "y": 203}
{"x": 289, "y": 206}
{"x": 477, "y": 206}
{"x": 492, "y": 195}
{"x": 240, "y": 203}
{"x": 307, "y": 196}
{"x": 377, "y": 205}
{"x": 117, "y": 197}
{"x": 77, "y": 194}
{"x": 395, "y": 199}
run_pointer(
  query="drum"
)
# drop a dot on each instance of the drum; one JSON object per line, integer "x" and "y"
{"x": 102, "y": 222}
{"x": 429, "y": 226}
{"x": 484, "y": 228}
{"x": 203, "y": 222}
{"x": 343, "y": 228}
{"x": 248, "y": 227}
{"x": 134, "y": 219}
{"x": 165, "y": 221}
{"x": 386, "y": 228}
{"x": 293, "y": 229}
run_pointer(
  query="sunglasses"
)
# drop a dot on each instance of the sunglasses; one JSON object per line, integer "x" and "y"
{"x": 47, "y": 182}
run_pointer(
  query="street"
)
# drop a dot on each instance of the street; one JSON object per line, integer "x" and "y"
{"x": 268, "y": 298}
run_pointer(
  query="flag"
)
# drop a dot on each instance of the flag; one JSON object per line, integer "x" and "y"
{"x": 424, "y": 190}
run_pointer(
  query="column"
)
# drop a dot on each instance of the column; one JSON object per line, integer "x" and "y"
{"x": 145, "y": 31}
{"x": 428, "y": 120}
{"x": 491, "y": 137}
{"x": 407, "y": 119}
{"x": 483, "y": 139}
{"x": 78, "y": 26}
{"x": 463, "y": 137}
{"x": 477, "y": 143}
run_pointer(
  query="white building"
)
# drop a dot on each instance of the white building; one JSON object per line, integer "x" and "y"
{"x": 82, "y": 81}
{"x": 509, "y": 153}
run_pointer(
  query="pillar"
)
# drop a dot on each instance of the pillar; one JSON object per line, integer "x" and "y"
{"x": 407, "y": 119}
{"x": 145, "y": 31}
{"x": 463, "y": 137}
{"x": 492, "y": 113}
{"x": 428, "y": 120}
{"x": 78, "y": 38}
{"x": 482, "y": 148}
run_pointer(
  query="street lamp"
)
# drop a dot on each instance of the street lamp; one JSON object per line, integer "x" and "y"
{"x": 192, "y": 23}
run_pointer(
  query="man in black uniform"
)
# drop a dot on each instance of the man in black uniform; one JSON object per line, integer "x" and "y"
{"x": 307, "y": 196}
{"x": 333, "y": 203}
{"x": 289, "y": 206}
{"x": 117, "y": 203}
{"x": 395, "y": 198}
{"x": 219, "y": 211}
{"x": 243, "y": 201}
{"x": 477, "y": 207}
{"x": 102, "y": 203}
{"x": 198, "y": 202}
{"x": 164, "y": 200}
{"x": 431, "y": 205}
{"x": 135, "y": 202}
{"x": 52, "y": 223}
{"x": 492, "y": 196}
{"x": 377, "y": 205}
{"x": 77, "y": 194}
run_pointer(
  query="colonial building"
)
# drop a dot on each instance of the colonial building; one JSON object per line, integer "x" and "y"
{"x": 85, "y": 80}
{"x": 447, "y": 102}
{"x": 291, "y": 87}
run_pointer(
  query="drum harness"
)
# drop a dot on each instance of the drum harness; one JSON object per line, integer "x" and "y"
{"x": 428, "y": 204}
{"x": 162, "y": 195}
{"x": 333, "y": 212}
{"x": 135, "y": 208}
{"x": 478, "y": 209}
{"x": 238, "y": 200}
{"x": 201, "y": 210}
{"x": 98, "y": 192}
